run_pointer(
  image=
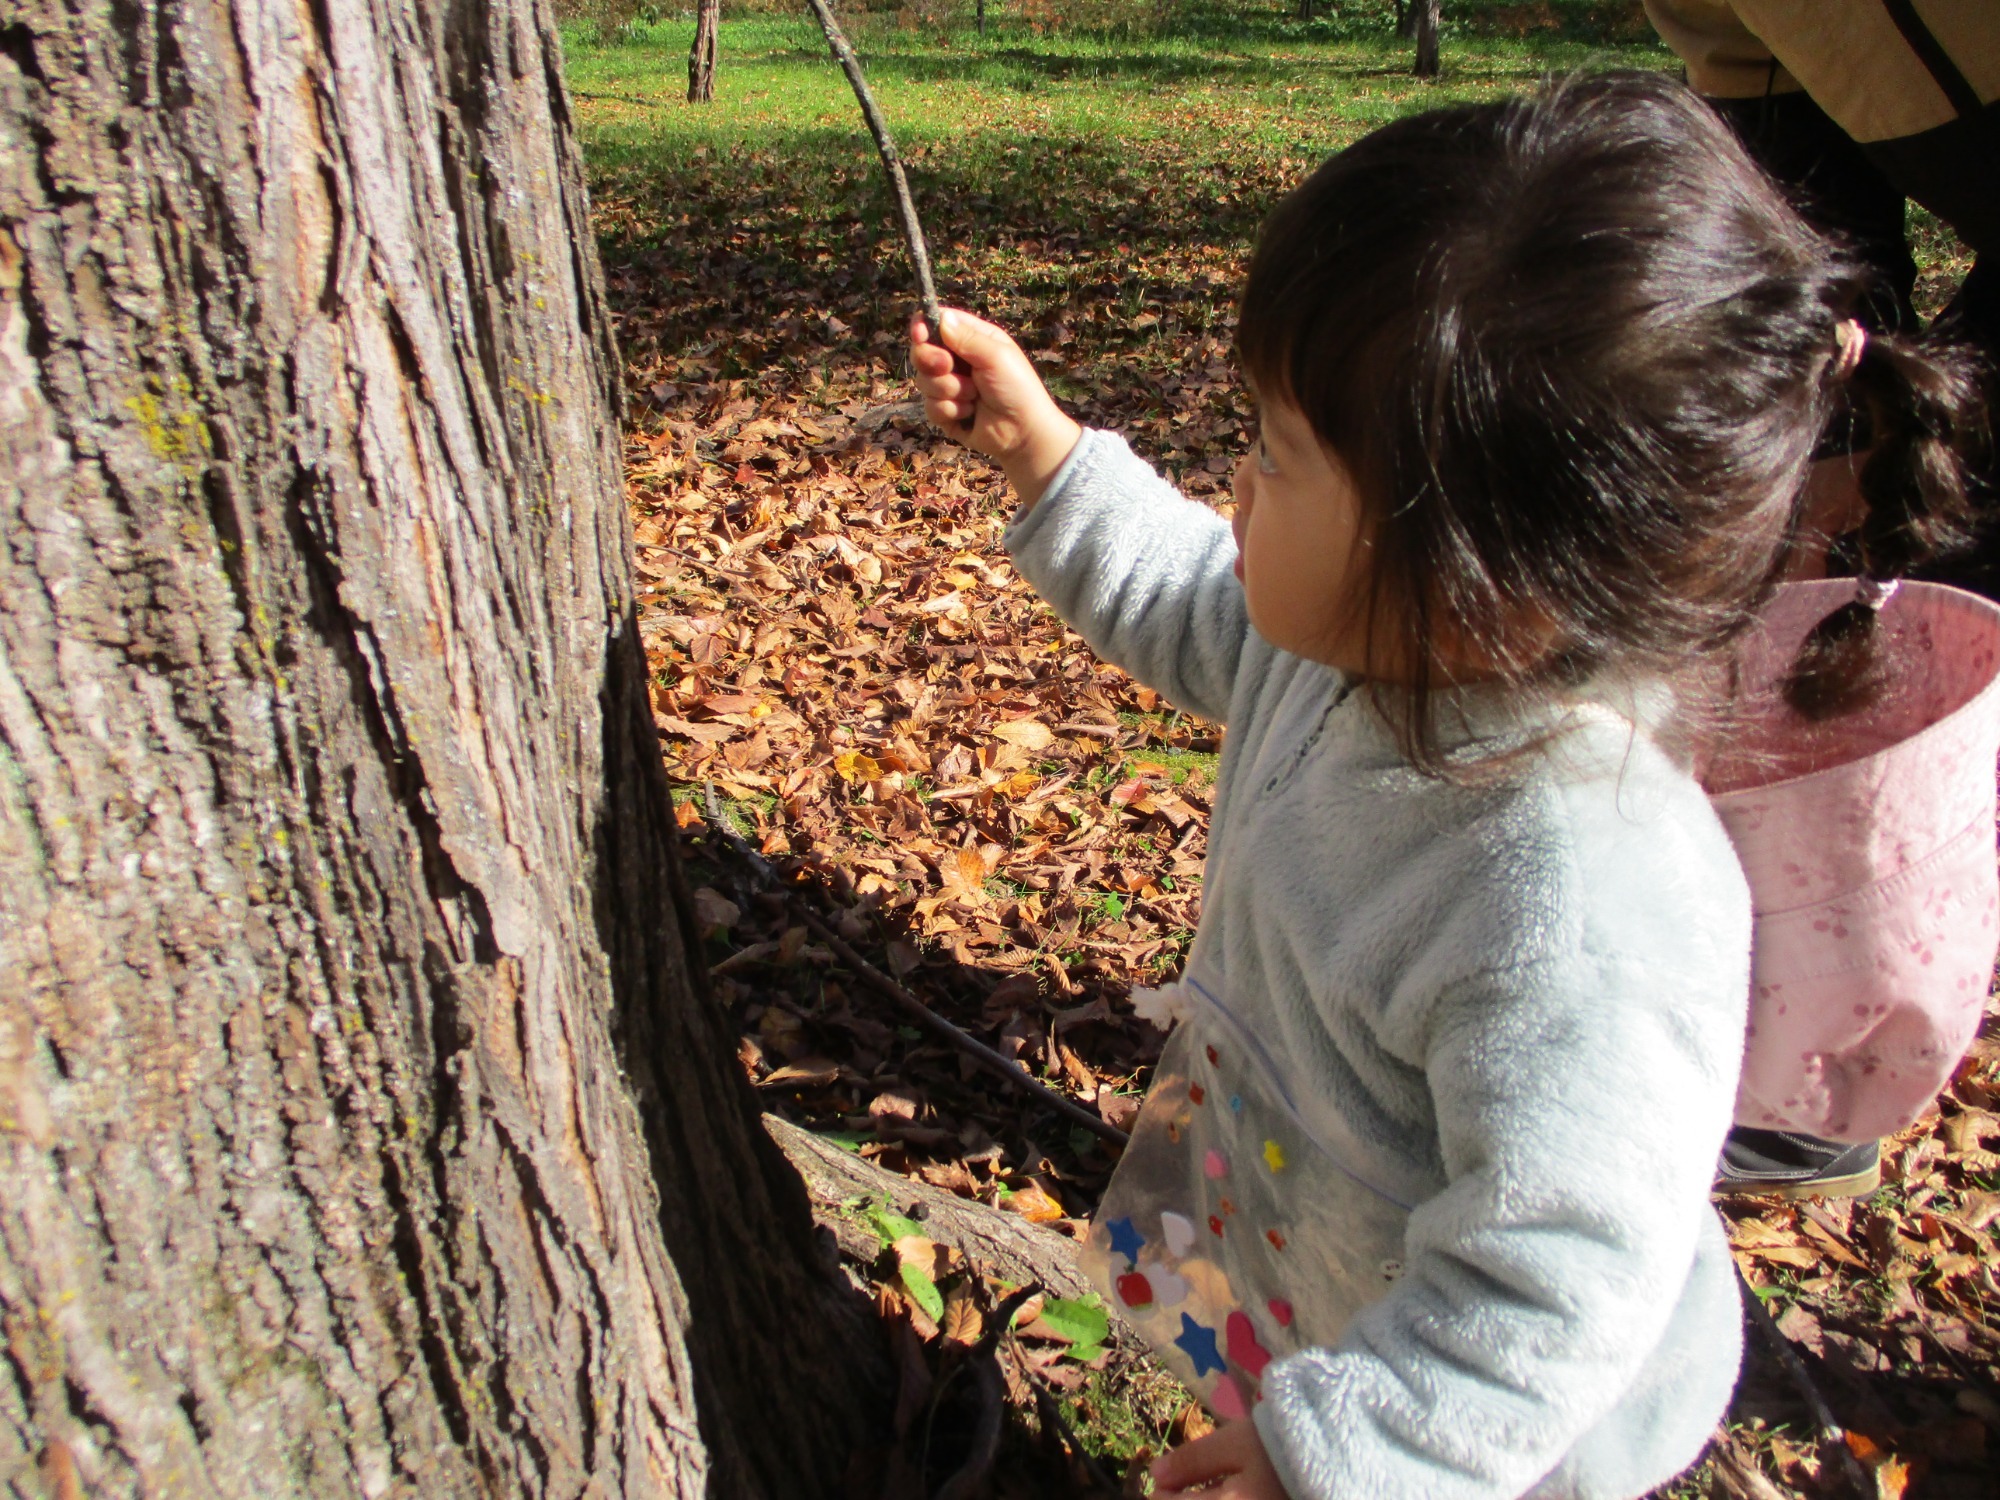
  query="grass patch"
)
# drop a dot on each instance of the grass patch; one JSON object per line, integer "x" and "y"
{"x": 1192, "y": 769}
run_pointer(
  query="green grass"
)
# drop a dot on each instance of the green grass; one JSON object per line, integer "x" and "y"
{"x": 1217, "y": 78}
{"x": 1184, "y": 766}
{"x": 1059, "y": 175}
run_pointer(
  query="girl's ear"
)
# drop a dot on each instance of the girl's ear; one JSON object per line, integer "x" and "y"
{"x": 1924, "y": 408}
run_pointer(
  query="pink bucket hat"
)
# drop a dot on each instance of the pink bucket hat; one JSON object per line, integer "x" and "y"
{"x": 1868, "y": 841}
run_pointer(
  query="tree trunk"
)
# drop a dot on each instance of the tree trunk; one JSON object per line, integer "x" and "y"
{"x": 1427, "y": 20}
{"x": 1305, "y": 10}
{"x": 701, "y": 56}
{"x": 363, "y": 1128}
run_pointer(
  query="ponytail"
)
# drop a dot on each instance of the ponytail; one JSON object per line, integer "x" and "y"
{"x": 1922, "y": 404}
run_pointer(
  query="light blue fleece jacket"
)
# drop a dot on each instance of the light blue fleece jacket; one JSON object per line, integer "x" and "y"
{"x": 1524, "y": 1001}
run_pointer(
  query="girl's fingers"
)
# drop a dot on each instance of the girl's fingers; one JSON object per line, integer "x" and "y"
{"x": 944, "y": 381}
{"x": 929, "y": 359}
{"x": 1223, "y": 1452}
{"x": 952, "y": 389}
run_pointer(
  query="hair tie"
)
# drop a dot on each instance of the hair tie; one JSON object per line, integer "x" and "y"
{"x": 1872, "y": 593}
{"x": 1851, "y": 340}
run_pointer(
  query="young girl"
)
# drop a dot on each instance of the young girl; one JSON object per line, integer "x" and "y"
{"x": 1422, "y": 1185}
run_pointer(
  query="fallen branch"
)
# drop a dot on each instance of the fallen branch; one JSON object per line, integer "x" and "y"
{"x": 618, "y": 99}
{"x": 1009, "y": 1246}
{"x": 1833, "y": 1436}
{"x": 1050, "y": 1412}
{"x": 994, "y": 1061}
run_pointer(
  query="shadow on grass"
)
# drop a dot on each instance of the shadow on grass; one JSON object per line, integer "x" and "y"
{"x": 710, "y": 255}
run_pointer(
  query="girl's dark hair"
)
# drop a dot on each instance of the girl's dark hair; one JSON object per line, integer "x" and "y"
{"x": 1577, "y": 350}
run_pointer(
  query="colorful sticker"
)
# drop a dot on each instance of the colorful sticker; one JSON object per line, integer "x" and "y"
{"x": 1126, "y": 1239}
{"x": 1274, "y": 1156}
{"x": 1178, "y": 1231}
{"x": 1281, "y": 1311}
{"x": 1226, "y": 1401}
{"x": 1243, "y": 1345}
{"x": 1134, "y": 1290}
{"x": 1213, "y": 1164}
{"x": 1198, "y": 1343}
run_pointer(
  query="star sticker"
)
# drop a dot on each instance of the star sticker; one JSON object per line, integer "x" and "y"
{"x": 1198, "y": 1343}
{"x": 1274, "y": 1156}
{"x": 1126, "y": 1239}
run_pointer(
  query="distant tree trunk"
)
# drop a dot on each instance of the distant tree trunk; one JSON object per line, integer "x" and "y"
{"x": 363, "y": 1128}
{"x": 1305, "y": 10}
{"x": 701, "y": 56}
{"x": 979, "y": 16}
{"x": 1406, "y": 20}
{"x": 1427, "y": 20}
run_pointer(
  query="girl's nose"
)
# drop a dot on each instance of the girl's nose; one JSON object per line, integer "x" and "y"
{"x": 1242, "y": 486}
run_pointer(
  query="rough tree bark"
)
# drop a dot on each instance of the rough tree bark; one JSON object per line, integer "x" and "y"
{"x": 1426, "y": 19}
{"x": 363, "y": 1130}
{"x": 701, "y": 56}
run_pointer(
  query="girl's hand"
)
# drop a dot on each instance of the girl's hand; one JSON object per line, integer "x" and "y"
{"x": 1231, "y": 1458}
{"x": 980, "y": 388}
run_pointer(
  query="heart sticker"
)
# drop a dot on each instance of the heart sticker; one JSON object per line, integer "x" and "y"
{"x": 1169, "y": 1288}
{"x": 1226, "y": 1401}
{"x": 1281, "y": 1311}
{"x": 1178, "y": 1232}
{"x": 1243, "y": 1345}
{"x": 1214, "y": 1165}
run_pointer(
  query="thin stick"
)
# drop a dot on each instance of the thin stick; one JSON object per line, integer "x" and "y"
{"x": 1832, "y": 1435}
{"x": 913, "y": 232}
{"x": 995, "y": 1062}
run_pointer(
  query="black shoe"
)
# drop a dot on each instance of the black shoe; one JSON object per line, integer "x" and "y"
{"x": 1780, "y": 1164}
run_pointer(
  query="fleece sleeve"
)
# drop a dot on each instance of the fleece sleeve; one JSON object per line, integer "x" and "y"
{"x": 1140, "y": 571}
{"x": 1580, "y": 1112}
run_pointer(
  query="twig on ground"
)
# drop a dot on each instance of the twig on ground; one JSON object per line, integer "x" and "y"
{"x": 1833, "y": 1436}
{"x": 1051, "y": 1414}
{"x": 995, "y": 1062}
{"x": 618, "y": 99}
{"x": 1739, "y": 1475}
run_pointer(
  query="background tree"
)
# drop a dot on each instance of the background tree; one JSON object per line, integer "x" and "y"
{"x": 363, "y": 1127}
{"x": 1426, "y": 21}
{"x": 701, "y": 56}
